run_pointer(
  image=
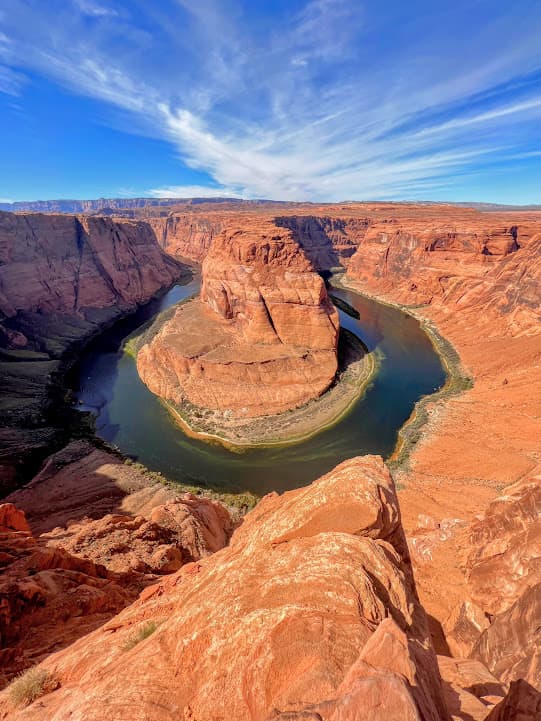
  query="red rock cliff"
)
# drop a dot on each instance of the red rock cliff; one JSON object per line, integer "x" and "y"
{"x": 59, "y": 263}
{"x": 262, "y": 339}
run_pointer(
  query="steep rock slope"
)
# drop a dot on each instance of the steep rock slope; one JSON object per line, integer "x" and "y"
{"x": 478, "y": 577}
{"x": 62, "y": 278}
{"x": 311, "y": 610}
{"x": 261, "y": 340}
{"x": 188, "y": 235}
{"x": 70, "y": 264}
{"x": 96, "y": 532}
{"x": 447, "y": 260}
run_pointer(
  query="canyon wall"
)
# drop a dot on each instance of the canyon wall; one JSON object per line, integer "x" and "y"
{"x": 67, "y": 264}
{"x": 261, "y": 340}
{"x": 62, "y": 279}
{"x": 188, "y": 235}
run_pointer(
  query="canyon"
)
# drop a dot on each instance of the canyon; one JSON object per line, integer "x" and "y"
{"x": 324, "y": 603}
{"x": 271, "y": 333}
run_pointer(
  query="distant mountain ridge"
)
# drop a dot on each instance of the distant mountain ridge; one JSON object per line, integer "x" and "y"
{"x": 108, "y": 205}
{"x": 91, "y": 206}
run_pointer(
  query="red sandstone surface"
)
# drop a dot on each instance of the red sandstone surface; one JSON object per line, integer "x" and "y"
{"x": 312, "y": 608}
{"x": 316, "y": 588}
{"x": 67, "y": 264}
{"x": 262, "y": 339}
{"x": 94, "y": 534}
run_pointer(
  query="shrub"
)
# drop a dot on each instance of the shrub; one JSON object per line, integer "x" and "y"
{"x": 140, "y": 635}
{"x": 31, "y": 684}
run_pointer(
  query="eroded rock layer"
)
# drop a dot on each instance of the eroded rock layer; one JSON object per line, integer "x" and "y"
{"x": 95, "y": 533}
{"x": 62, "y": 278}
{"x": 261, "y": 340}
{"x": 311, "y": 611}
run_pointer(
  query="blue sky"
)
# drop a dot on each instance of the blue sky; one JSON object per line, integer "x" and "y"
{"x": 301, "y": 100}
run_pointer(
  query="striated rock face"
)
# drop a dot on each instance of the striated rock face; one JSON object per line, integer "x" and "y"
{"x": 504, "y": 547}
{"x": 261, "y": 340}
{"x": 327, "y": 241}
{"x": 188, "y": 235}
{"x": 62, "y": 278}
{"x": 459, "y": 263}
{"x": 67, "y": 264}
{"x": 311, "y": 612}
{"x": 511, "y": 647}
{"x": 260, "y": 278}
{"x": 522, "y": 703}
{"x": 502, "y": 562}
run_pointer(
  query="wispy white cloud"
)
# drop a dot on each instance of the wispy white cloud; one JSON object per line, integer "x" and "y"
{"x": 94, "y": 9}
{"x": 333, "y": 103}
{"x": 191, "y": 191}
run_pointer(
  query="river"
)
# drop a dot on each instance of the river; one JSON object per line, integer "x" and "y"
{"x": 130, "y": 417}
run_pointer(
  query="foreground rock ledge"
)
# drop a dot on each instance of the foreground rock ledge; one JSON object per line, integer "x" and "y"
{"x": 311, "y": 612}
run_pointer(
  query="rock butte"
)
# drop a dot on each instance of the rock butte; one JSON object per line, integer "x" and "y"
{"x": 261, "y": 340}
{"x": 299, "y": 650}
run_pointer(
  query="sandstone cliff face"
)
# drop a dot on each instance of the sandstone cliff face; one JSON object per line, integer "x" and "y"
{"x": 473, "y": 262}
{"x": 261, "y": 340}
{"x": 61, "y": 279}
{"x": 66, "y": 264}
{"x": 188, "y": 235}
{"x": 327, "y": 241}
{"x": 259, "y": 277}
{"x": 502, "y": 561}
{"x": 311, "y": 610}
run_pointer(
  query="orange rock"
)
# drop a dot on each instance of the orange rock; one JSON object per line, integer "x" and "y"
{"x": 12, "y": 519}
{"x": 294, "y": 615}
{"x": 522, "y": 703}
{"x": 262, "y": 340}
{"x": 78, "y": 571}
{"x": 470, "y": 689}
{"x": 48, "y": 598}
{"x": 182, "y": 530}
{"x": 504, "y": 547}
{"x": 511, "y": 647}
{"x": 69, "y": 264}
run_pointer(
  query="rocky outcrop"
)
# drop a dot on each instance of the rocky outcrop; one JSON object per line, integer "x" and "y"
{"x": 511, "y": 647}
{"x": 76, "y": 568}
{"x": 48, "y": 598}
{"x": 470, "y": 690}
{"x": 522, "y": 703}
{"x": 311, "y": 610}
{"x": 262, "y": 339}
{"x": 503, "y": 547}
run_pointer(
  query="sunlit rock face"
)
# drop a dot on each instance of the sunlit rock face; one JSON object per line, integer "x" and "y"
{"x": 310, "y": 613}
{"x": 262, "y": 339}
